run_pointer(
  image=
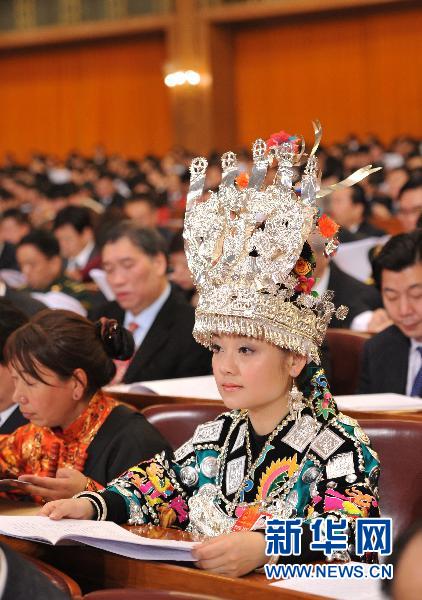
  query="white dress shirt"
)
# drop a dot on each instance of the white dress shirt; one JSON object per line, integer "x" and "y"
{"x": 146, "y": 318}
{"x": 415, "y": 363}
{"x": 80, "y": 260}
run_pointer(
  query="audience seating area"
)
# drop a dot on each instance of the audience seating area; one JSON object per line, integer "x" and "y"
{"x": 344, "y": 343}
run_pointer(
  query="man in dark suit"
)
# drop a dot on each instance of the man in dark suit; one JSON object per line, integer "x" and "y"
{"x": 350, "y": 208}
{"x": 10, "y": 416}
{"x": 74, "y": 230}
{"x": 392, "y": 360}
{"x": 360, "y": 298}
{"x": 160, "y": 318}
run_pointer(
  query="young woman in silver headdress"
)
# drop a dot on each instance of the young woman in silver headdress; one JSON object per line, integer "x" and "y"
{"x": 278, "y": 452}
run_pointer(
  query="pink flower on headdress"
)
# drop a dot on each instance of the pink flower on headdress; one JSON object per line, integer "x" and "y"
{"x": 276, "y": 139}
{"x": 305, "y": 284}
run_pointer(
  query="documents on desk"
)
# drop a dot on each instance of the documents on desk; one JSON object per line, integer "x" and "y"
{"x": 203, "y": 388}
{"x": 100, "y": 534}
{"x": 378, "y": 403}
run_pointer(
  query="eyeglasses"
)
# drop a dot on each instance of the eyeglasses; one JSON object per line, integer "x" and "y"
{"x": 404, "y": 212}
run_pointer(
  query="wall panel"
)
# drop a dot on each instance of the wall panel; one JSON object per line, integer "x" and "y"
{"x": 76, "y": 96}
{"x": 354, "y": 71}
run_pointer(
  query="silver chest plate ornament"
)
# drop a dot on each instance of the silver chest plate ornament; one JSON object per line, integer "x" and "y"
{"x": 206, "y": 518}
{"x": 209, "y": 467}
{"x": 189, "y": 476}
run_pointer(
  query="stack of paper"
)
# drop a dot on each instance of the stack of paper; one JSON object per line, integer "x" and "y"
{"x": 100, "y": 534}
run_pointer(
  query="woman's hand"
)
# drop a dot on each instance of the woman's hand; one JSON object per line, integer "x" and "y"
{"x": 232, "y": 554}
{"x": 74, "y": 508}
{"x": 66, "y": 484}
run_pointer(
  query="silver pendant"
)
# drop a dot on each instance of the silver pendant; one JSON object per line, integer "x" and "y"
{"x": 302, "y": 433}
{"x": 235, "y": 474}
{"x": 184, "y": 451}
{"x": 206, "y": 518}
{"x": 208, "y": 432}
{"x": 326, "y": 443}
{"x": 240, "y": 438}
{"x": 340, "y": 465}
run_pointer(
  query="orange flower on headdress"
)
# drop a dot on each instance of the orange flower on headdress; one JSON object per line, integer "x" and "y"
{"x": 302, "y": 267}
{"x": 242, "y": 180}
{"x": 327, "y": 226}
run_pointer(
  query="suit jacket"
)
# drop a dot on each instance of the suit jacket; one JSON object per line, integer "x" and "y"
{"x": 355, "y": 294}
{"x": 8, "y": 257}
{"x": 384, "y": 363}
{"x": 365, "y": 230}
{"x": 169, "y": 349}
{"x": 15, "y": 420}
{"x": 23, "y": 301}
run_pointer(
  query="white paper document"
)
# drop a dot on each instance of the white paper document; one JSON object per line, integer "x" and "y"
{"x": 378, "y": 402}
{"x": 203, "y": 387}
{"x": 100, "y": 534}
{"x": 353, "y": 257}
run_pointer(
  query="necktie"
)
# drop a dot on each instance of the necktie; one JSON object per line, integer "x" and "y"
{"x": 417, "y": 383}
{"x": 122, "y": 365}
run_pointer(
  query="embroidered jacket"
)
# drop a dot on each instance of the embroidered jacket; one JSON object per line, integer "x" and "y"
{"x": 32, "y": 449}
{"x": 318, "y": 465}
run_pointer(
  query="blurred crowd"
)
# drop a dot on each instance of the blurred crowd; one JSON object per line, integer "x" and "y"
{"x": 55, "y": 214}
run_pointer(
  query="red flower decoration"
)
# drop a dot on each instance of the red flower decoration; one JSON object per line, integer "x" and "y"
{"x": 242, "y": 180}
{"x": 327, "y": 226}
{"x": 305, "y": 284}
{"x": 276, "y": 139}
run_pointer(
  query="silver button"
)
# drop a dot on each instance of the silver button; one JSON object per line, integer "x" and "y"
{"x": 189, "y": 476}
{"x": 209, "y": 467}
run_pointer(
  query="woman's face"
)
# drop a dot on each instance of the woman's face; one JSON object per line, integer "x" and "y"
{"x": 56, "y": 403}
{"x": 252, "y": 374}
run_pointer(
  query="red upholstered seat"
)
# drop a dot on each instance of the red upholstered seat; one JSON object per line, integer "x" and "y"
{"x": 177, "y": 422}
{"x": 399, "y": 445}
{"x": 345, "y": 355}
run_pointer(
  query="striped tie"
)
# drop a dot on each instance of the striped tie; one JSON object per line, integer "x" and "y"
{"x": 123, "y": 365}
{"x": 417, "y": 383}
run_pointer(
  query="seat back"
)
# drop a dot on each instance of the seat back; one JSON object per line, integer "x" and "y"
{"x": 146, "y": 594}
{"x": 177, "y": 422}
{"x": 399, "y": 446}
{"x": 61, "y": 580}
{"x": 345, "y": 355}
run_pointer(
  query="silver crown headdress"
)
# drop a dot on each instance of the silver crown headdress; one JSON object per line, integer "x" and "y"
{"x": 244, "y": 249}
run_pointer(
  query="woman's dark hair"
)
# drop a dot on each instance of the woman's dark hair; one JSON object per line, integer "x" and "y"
{"x": 63, "y": 341}
{"x": 401, "y": 251}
